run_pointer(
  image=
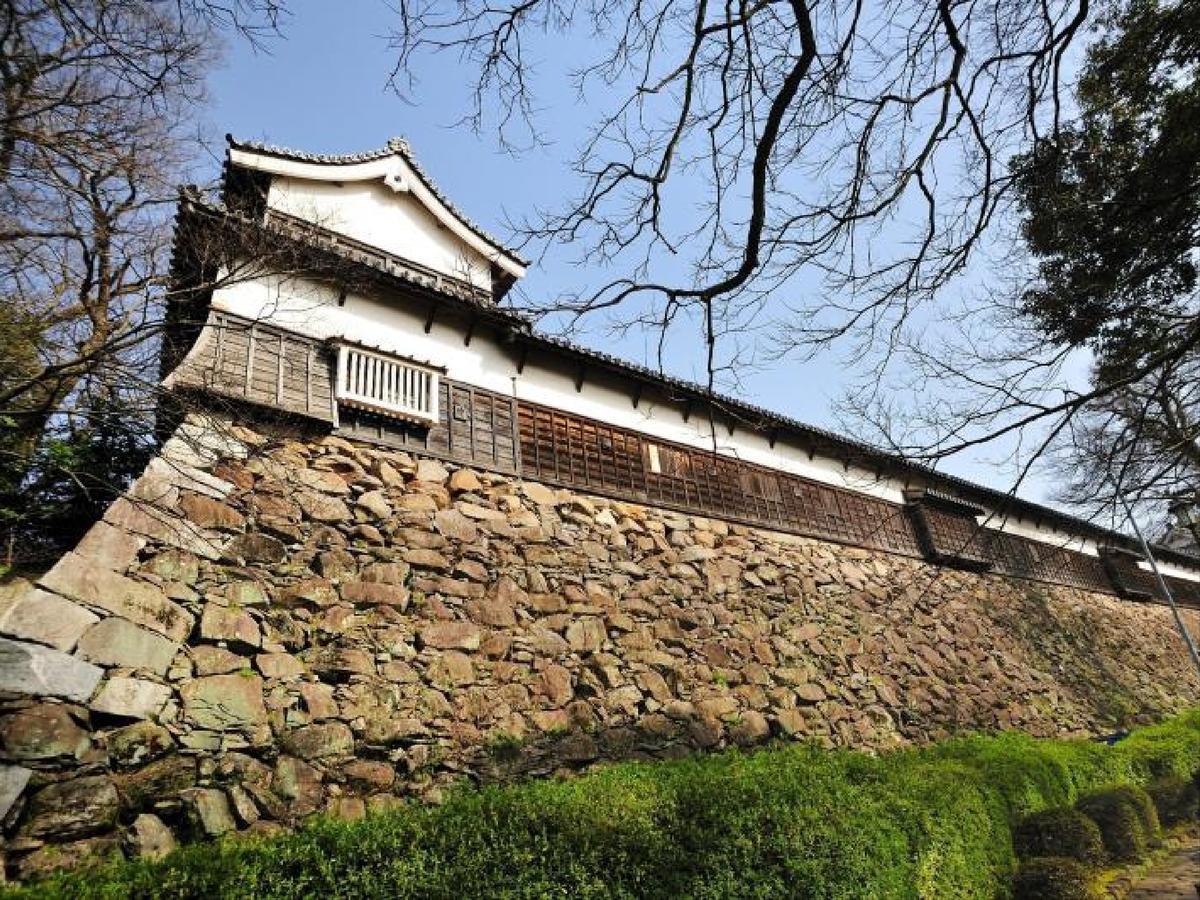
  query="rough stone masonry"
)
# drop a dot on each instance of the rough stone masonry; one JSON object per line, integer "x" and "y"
{"x": 273, "y": 625}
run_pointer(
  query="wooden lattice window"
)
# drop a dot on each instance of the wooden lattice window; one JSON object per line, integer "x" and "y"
{"x": 763, "y": 485}
{"x": 948, "y": 530}
{"x": 387, "y": 385}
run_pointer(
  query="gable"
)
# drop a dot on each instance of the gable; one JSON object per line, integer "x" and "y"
{"x": 371, "y": 212}
{"x": 381, "y": 199}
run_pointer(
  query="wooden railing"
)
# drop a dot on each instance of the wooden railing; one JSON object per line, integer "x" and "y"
{"x": 386, "y": 385}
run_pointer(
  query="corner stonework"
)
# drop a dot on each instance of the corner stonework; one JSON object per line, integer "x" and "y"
{"x": 88, "y": 645}
{"x": 274, "y": 624}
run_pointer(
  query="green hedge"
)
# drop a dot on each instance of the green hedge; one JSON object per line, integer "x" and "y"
{"x": 1052, "y": 878}
{"x": 1126, "y": 818}
{"x": 790, "y": 821}
{"x": 1059, "y": 832}
{"x": 1175, "y": 798}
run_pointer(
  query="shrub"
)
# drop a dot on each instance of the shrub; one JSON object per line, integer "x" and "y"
{"x": 1176, "y": 799}
{"x": 1059, "y": 832}
{"x": 790, "y": 821}
{"x": 1141, "y": 801}
{"x": 1170, "y": 748}
{"x": 1052, "y": 878}
{"x": 1033, "y": 774}
{"x": 1122, "y": 820}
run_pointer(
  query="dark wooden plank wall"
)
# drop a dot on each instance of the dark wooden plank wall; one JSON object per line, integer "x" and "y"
{"x": 475, "y": 427}
{"x": 572, "y": 450}
{"x": 248, "y": 361}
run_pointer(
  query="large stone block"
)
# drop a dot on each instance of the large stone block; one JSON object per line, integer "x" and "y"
{"x": 299, "y": 784}
{"x": 375, "y": 504}
{"x": 41, "y": 671}
{"x": 46, "y": 618}
{"x": 187, "y": 477}
{"x": 452, "y": 669}
{"x": 339, "y": 663}
{"x": 45, "y": 731}
{"x": 112, "y": 547}
{"x": 145, "y": 604}
{"x": 432, "y": 471}
{"x": 279, "y": 665}
{"x": 208, "y": 811}
{"x": 319, "y": 741}
{"x": 149, "y": 837}
{"x": 131, "y": 698}
{"x": 139, "y": 743}
{"x": 255, "y": 547}
{"x": 375, "y": 593}
{"x": 118, "y": 642}
{"x": 73, "y": 809}
{"x": 224, "y": 702}
{"x": 12, "y": 781}
{"x": 159, "y": 782}
{"x": 224, "y": 623}
{"x": 168, "y": 527}
{"x": 203, "y": 440}
{"x": 209, "y": 513}
{"x": 454, "y": 525}
{"x": 451, "y": 636}
{"x": 323, "y": 508}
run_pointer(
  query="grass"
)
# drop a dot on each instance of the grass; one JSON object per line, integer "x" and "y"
{"x": 789, "y": 821}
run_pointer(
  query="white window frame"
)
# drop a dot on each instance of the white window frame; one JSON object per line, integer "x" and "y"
{"x": 386, "y": 384}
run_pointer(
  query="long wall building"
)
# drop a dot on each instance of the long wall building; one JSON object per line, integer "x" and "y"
{"x": 393, "y": 527}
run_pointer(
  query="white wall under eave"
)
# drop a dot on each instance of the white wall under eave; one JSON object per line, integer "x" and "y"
{"x": 394, "y": 326}
{"x": 1172, "y": 571}
{"x": 1043, "y": 533}
{"x": 373, "y": 213}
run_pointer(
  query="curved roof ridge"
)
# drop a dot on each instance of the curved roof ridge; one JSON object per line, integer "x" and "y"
{"x": 396, "y": 146}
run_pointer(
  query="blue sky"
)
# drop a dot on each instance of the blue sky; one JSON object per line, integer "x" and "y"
{"x": 323, "y": 88}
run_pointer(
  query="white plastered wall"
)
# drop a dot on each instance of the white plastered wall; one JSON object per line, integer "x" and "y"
{"x": 396, "y": 327}
{"x": 374, "y": 213}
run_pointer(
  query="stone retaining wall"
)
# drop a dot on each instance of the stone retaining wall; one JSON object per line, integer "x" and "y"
{"x": 276, "y": 625}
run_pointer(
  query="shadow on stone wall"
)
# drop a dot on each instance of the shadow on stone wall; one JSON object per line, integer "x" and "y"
{"x": 1085, "y": 645}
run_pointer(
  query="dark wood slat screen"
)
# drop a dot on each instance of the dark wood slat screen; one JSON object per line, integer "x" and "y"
{"x": 951, "y": 536}
{"x": 1024, "y": 557}
{"x": 248, "y": 361}
{"x": 475, "y": 427}
{"x": 572, "y": 450}
{"x": 1141, "y": 580}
